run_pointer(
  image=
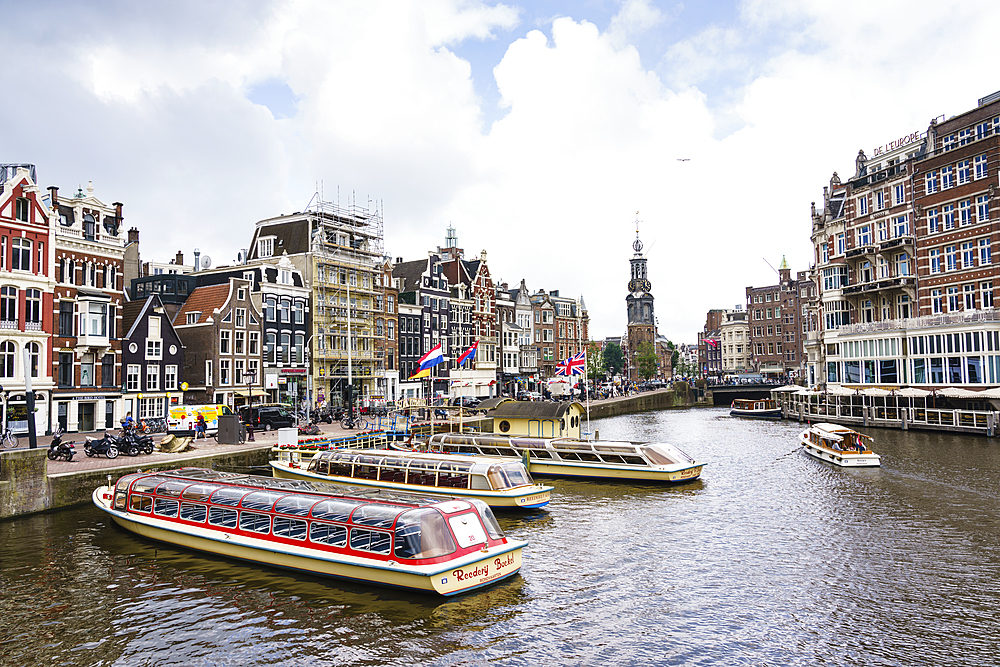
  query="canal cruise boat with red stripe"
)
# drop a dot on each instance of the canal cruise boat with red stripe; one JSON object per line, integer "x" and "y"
{"x": 408, "y": 541}
{"x": 840, "y": 446}
{"x": 501, "y": 484}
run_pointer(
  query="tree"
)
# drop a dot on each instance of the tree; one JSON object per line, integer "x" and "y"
{"x": 613, "y": 358}
{"x": 646, "y": 361}
{"x": 596, "y": 367}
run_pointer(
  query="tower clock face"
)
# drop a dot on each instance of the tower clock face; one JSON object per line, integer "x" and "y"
{"x": 639, "y": 285}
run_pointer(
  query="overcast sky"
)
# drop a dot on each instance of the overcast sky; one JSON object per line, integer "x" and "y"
{"x": 536, "y": 129}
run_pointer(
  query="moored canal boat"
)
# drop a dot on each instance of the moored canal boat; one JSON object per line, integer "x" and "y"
{"x": 840, "y": 446}
{"x": 413, "y": 542}
{"x": 759, "y": 408}
{"x": 501, "y": 484}
{"x": 578, "y": 459}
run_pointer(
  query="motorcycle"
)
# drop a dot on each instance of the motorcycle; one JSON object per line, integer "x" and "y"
{"x": 109, "y": 446}
{"x": 133, "y": 443}
{"x": 59, "y": 449}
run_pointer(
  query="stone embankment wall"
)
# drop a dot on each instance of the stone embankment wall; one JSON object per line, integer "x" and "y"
{"x": 680, "y": 397}
{"x": 25, "y": 488}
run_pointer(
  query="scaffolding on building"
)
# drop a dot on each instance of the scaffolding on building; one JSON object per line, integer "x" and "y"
{"x": 347, "y": 250}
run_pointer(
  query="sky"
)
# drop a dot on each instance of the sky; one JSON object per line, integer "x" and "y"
{"x": 544, "y": 132}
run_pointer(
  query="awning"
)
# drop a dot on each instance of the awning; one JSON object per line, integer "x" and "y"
{"x": 254, "y": 392}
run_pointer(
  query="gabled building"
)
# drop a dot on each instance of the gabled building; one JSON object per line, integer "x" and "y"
{"x": 386, "y": 336}
{"x": 423, "y": 283}
{"x": 528, "y": 351}
{"x": 26, "y": 289}
{"x": 543, "y": 313}
{"x": 89, "y": 294}
{"x": 153, "y": 357}
{"x": 220, "y": 327}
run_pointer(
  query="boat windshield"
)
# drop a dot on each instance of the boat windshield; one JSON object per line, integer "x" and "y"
{"x": 489, "y": 519}
{"x": 666, "y": 455}
{"x": 508, "y": 475}
{"x": 123, "y": 482}
{"x": 423, "y": 533}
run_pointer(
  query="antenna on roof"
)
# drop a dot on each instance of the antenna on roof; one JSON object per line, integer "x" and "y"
{"x": 772, "y": 268}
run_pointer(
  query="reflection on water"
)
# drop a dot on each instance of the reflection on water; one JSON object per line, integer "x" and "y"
{"x": 772, "y": 558}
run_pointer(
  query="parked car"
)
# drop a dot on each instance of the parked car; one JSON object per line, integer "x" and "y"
{"x": 267, "y": 417}
{"x": 529, "y": 396}
{"x": 466, "y": 401}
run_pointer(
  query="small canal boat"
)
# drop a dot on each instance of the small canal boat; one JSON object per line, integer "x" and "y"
{"x": 578, "y": 459}
{"x": 840, "y": 446}
{"x": 757, "y": 408}
{"x": 413, "y": 542}
{"x": 501, "y": 484}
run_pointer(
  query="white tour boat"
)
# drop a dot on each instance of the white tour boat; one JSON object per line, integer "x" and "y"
{"x": 840, "y": 446}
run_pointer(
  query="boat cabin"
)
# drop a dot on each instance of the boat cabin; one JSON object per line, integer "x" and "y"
{"x": 542, "y": 419}
{"x": 839, "y": 438}
{"x": 369, "y": 523}
{"x": 439, "y": 471}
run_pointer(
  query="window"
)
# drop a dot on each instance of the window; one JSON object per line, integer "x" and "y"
{"x": 254, "y": 342}
{"x": 865, "y": 235}
{"x": 986, "y": 294}
{"x": 901, "y": 226}
{"x": 968, "y": 255}
{"x": 863, "y": 205}
{"x": 33, "y": 309}
{"x": 241, "y": 318}
{"x": 286, "y": 344}
{"x": 902, "y": 264}
{"x": 8, "y": 352}
{"x": 985, "y": 252}
{"x": 881, "y": 231}
{"x": 269, "y": 309}
{"x": 936, "y": 301}
{"x": 132, "y": 377}
{"x": 300, "y": 348}
{"x": 224, "y": 336}
{"x": 948, "y": 216}
{"x": 87, "y": 371}
{"x": 238, "y": 342}
{"x": 34, "y": 357}
{"x": 170, "y": 377}
{"x": 8, "y": 307}
{"x": 265, "y": 247}
{"x": 152, "y": 377}
{"x": 964, "y": 136}
{"x": 108, "y": 370}
{"x": 879, "y": 200}
{"x": 23, "y": 205}
{"x": 270, "y": 343}
{"x": 931, "y": 182}
{"x": 951, "y": 258}
{"x": 224, "y": 366}
{"x": 948, "y": 142}
{"x": 980, "y": 167}
{"x": 954, "y": 301}
{"x": 20, "y": 254}
{"x": 841, "y": 241}
{"x": 154, "y": 349}
{"x": 284, "y": 310}
{"x": 965, "y": 212}
{"x": 932, "y": 221}
{"x": 903, "y": 307}
{"x": 947, "y": 178}
{"x": 208, "y": 372}
{"x": 192, "y": 317}
{"x": 96, "y": 319}
{"x": 969, "y": 297}
{"x": 982, "y": 208}
{"x": 238, "y": 372}
{"x": 898, "y": 194}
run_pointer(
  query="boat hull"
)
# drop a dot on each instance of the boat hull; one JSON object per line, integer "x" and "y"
{"x": 496, "y": 500}
{"x": 756, "y": 414}
{"x": 483, "y": 569}
{"x": 842, "y": 459}
{"x": 567, "y": 470}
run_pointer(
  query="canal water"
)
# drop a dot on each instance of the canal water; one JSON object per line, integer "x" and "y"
{"x": 772, "y": 558}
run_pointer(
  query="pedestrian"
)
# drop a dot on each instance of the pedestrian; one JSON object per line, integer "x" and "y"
{"x": 200, "y": 427}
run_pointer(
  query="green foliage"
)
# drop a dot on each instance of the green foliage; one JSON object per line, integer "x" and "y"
{"x": 596, "y": 367}
{"x": 613, "y": 359}
{"x": 646, "y": 361}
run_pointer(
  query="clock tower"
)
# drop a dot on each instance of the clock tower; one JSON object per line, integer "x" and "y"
{"x": 639, "y": 302}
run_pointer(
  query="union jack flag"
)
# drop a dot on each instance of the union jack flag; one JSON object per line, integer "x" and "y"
{"x": 572, "y": 366}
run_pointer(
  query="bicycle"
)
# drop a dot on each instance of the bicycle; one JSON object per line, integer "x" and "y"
{"x": 9, "y": 439}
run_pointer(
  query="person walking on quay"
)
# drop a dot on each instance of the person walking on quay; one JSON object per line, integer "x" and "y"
{"x": 200, "y": 427}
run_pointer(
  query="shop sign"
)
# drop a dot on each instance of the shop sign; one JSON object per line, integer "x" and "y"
{"x": 293, "y": 371}
{"x": 898, "y": 143}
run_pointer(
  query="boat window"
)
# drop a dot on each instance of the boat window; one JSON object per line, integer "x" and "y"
{"x": 635, "y": 460}
{"x": 528, "y": 443}
{"x": 123, "y": 482}
{"x": 369, "y": 460}
{"x": 394, "y": 473}
{"x": 560, "y": 445}
{"x": 507, "y": 451}
{"x": 328, "y": 533}
{"x": 220, "y": 516}
{"x": 140, "y": 503}
{"x": 228, "y": 496}
{"x": 658, "y": 457}
{"x": 498, "y": 480}
{"x": 569, "y": 456}
{"x": 255, "y": 523}
{"x": 294, "y": 529}
{"x": 172, "y": 488}
{"x": 341, "y": 466}
{"x": 490, "y": 451}
{"x": 422, "y": 533}
{"x": 321, "y": 466}
{"x": 517, "y": 474}
{"x": 199, "y": 492}
{"x": 193, "y": 512}
{"x": 371, "y": 540}
{"x": 362, "y": 471}
{"x": 261, "y": 500}
{"x": 454, "y": 475}
{"x": 479, "y": 482}
{"x": 541, "y": 454}
{"x": 333, "y": 510}
{"x": 165, "y": 507}
{"x": 488, "y": 518}
{"x": 615, "y": 449}
{"x": 468, "y": 529}
{"x": 120, "y": 500}
{"x": 422, "y": 473}
{"x": 148, "y": 484}
{"x": 612, "y": 458}
{"x": 298, "y": 505}
{"x": 381, "y": 516}
{"x": 456, "y": 439}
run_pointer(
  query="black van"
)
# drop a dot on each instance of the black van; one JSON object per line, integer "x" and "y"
{"x": 267, "y": 417}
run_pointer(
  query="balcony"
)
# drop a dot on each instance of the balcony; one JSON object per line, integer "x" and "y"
{"x": 860, "y": 251}
{"x": 896, "y": 243}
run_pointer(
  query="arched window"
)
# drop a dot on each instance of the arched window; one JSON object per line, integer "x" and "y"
{"x": 7, "y": 353}
{"x": 8, "y": 307}
{"x": 33, "y": 309}
{"x": 34, "y": 356}
{"x": 89, "y": 226}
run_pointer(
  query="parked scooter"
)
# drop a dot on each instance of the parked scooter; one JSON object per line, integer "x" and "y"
{"x": 309, "y": 429}
{"x": 109, "y": 446}
{"x": 59, "y": 449}
{"x": 133, "y": 443}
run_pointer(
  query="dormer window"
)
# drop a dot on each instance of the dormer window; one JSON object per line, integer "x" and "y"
{"x": 23, "y": 206}
{"x": 285, "y": 277}
{"x": 193, "y": 317}
{"x": 265, "y": 246}
{"x": 89, "y": 226}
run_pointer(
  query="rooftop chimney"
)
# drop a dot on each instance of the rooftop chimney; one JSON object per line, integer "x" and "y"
{"x": 133, "y": 235}
{"x": 197, "y": 254}
{"x": 179, "y": 259}
{"x": 53, "y": 194}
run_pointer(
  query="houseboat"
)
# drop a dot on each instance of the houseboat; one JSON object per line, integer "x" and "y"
{"x": 578, "y": 459}
{"x": 501, "y": 484}
{"x": 413, "y": 542}
{"x": 760, "y": 408}
{"x": 840, "y": 446}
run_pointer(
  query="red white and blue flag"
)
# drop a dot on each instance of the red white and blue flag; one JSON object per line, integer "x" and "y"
{"x": 572, "y": 366}
{"x": 468, "y": 355}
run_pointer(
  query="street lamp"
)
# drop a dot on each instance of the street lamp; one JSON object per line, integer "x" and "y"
{"x": 250, "y": 375}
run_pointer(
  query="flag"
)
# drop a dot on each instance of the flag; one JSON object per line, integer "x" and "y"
{"x": 433, "y": 357}
{"x": 572, "y": 366}
{"x": 420, "y": 373}
{"x": 709, "y": 342}
{"x": 468, "y": 355}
